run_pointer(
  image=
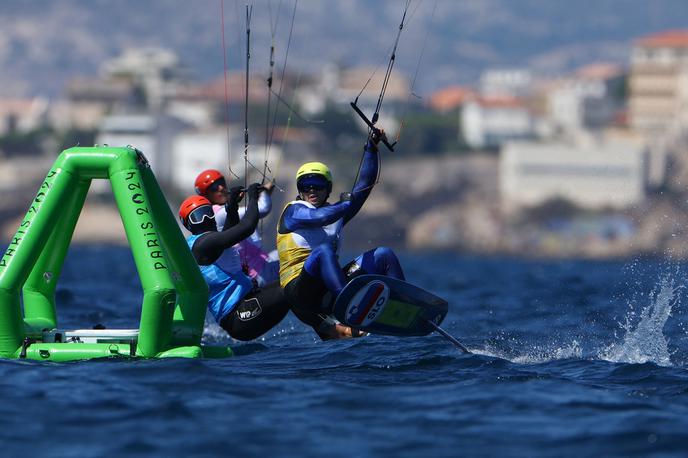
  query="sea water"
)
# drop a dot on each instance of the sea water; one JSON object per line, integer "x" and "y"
{"x": 570, "y": 358}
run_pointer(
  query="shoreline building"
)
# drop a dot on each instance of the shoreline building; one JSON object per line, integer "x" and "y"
{"x": 658, "y": 83}
{"x": 587, "y": 100}
{"x": 658, "y": 95}
{"x": 593, "y": 174}
{"x": 488, "y": 122}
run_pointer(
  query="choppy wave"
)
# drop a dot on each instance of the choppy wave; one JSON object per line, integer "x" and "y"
{"x": 569, "y": 359}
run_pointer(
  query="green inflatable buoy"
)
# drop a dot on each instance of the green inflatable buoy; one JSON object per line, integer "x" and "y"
{"x": 175, "y": 294}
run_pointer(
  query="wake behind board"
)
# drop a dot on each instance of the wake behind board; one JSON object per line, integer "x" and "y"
{"x": 385, "y": 305}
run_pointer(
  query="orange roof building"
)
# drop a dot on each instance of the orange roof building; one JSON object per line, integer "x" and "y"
{"x": 449, "y": 98}
{"x": 666, "y": 39}
{"x": 599, "y": 71}
{"x": 657, "y": 96}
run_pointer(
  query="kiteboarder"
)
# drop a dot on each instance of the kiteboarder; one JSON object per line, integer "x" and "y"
{"x": 262, "y": 266}
{"x": 308, "y": 243}
{"x": 242, "y": 308}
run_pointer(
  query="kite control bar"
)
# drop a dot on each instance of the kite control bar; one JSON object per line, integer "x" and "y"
{"x": 371, "y": 124}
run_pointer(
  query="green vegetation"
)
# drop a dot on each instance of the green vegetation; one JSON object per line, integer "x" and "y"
{"x": 25, "y": 143}
{"x": 74, "y": 137}
{"x": 44, "y": 140}
{"x": 425, "y": 132}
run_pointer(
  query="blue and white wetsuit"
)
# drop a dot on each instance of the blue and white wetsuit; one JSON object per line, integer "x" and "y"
{"x": 227, "y": 283}
{"x": 243, "y": 311}
{"x": 308, "y": 243}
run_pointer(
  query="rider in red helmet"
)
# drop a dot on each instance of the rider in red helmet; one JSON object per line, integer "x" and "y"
{"x": 206, "y": 179}
{"x": 188, "y": 215}
{"x": 262, "y": 266}
{"x": 244, "y": 311}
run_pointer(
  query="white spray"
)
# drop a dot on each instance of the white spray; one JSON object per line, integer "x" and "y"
{"x": 646, "y": 342}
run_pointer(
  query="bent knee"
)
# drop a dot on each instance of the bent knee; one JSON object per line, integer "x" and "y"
{"x": 383, "y": 250}
{"x": 322, "y": 251}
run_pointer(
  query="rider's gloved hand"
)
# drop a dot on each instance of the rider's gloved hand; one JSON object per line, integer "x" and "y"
{"x": 235, "y": 195}
{"x": 253, "y": 190}
{"x": 269, "y": 186}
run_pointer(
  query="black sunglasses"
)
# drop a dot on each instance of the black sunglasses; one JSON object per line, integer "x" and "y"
{"x": 216, "y": 185}
{"x": 311, "y": 187}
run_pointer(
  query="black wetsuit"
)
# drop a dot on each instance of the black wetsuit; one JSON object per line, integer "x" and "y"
{"x": 262, "y": 308}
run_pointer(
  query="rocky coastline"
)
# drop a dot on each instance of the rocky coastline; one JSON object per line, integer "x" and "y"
{"x": 444, "y": 203}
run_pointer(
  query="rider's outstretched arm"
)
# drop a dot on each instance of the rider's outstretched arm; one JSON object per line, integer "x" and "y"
{"x": 366, "y": 179}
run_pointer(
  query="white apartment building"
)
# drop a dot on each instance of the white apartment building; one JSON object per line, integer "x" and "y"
{"x": 585, "y": 100}
{"x": 152, "y": 135}
{"x": 489, "y": 122}
{"x": 195, "y": 151}
{"x": 592, "y": 174}
{"x": 516, "y": 82}
{"x": 21, "y": 115}
{"x": 198, "y": 150}
{"x": 157, "y": 71}
{"x": 342, "y": 85}
{"x": 658, "y": 84}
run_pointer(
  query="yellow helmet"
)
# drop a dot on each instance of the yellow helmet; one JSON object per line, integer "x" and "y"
{"x": 314, "y": 168}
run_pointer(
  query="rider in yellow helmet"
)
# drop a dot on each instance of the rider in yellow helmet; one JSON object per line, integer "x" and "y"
{"x": 308, "y": 242}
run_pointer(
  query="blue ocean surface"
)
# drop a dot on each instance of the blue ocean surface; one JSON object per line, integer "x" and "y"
{"x": 570, "y": 358}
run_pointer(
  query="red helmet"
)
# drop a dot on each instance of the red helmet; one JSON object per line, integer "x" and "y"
{"x": 205, "y": 179}
{"x": 192, "y": 203}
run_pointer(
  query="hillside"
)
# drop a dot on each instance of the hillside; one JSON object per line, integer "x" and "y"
{"x": 44, "y": 44}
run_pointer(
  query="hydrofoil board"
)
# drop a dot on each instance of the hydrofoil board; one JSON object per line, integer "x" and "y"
{"x": 386, "y": 305}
